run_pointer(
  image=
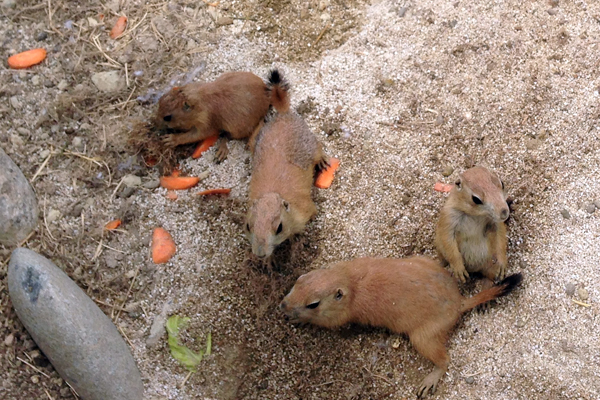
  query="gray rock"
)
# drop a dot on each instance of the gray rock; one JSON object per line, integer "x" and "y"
{"x": 62, "y": 85}
{"x": 597, "y": 203}
{"x": 9, "y": 3}
{"x": 109, "y": 81}
{"x": 565, "y": 213}
{"x": 14, "y": 101}
{"x": 153, "y": 184}
{"x": 18, "y": 205}
{"x": 80, "y": 341}
{"x": 126, "y": 192}
{"x": 469, "y": 380}
{"x": 41, "y": 36}
{"x": 570, "y": 289}
{"x": 590, "y": 208}
{"x": 402, "y": 11}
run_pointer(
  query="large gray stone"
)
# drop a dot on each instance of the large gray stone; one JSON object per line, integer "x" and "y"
{"x": 80, "y": 341}
{"x": 109, "y": 82}
{"x": 18, "y": 205}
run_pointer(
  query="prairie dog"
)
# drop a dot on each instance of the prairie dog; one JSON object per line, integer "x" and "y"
{"x": 233, "y": 106}
{"x": 470, "y": 234}
{"x": 286, "y": 153}
{"x": 415, "y": 296}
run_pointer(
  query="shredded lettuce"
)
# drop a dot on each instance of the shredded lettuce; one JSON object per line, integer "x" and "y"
{"x": 181, "y": 353}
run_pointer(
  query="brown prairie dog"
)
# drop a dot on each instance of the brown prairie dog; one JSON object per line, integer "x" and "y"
{"x": 415, "y": 296}
{"x": 234, "y": 106}
{"x": 470, "y": 234}
{"x": 286, "y": 153}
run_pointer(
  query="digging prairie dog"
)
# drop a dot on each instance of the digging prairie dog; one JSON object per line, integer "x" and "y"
{"x": 233, "y": 106}
{"x": 415, "y": 296}
{"x": 470, "y": 234}
{"x": 285, "y": 155}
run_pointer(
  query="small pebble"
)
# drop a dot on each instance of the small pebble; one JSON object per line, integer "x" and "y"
{"x": 48, "y": 83}
{"x": 590, "y": 208}
{"x": 439, "y": 120}
{"x": 469, "y": 380}
{"x": 447, "y": 171}
{"x": 583, "y": 294}
{"x": 565, "y": 213}
{"x": 35, "y": 80}
{"x": 9, "y": 340}
{"x": 35, "y": 379}
{"x": 153, "y": 184}
{"x": 570, "y": 289}
{"x": 62, "y": 85}
{"x": 52, "y": 216}
{"x": 41, "y": 36}
{"x": 14, "y": 101}
{"x": 597, "y": 203}
{"x": 77, "y": 142}
{"x": 222, "y": 21}
{"x": 9, "y": 3}
{"x": 323, "y": 4}
{"x": 553, "y": 11}
{"x": 131, "y": 180}
{"x": 126, "y": 192}
{"x": 402, "y": 11}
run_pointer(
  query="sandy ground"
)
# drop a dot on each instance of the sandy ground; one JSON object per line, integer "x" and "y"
{"x": 399, "y": 92}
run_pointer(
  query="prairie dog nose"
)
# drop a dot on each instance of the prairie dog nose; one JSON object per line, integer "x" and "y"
{"x": 283, "y": 306}
{"x": 504, "y": 213}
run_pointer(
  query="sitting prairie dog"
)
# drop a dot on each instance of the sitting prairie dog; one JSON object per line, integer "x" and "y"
{"x": 470, "y": 234}
{"x": 233, "y": 106}
{"x": 285, "y": 153}
{"x": 415, "y": 296}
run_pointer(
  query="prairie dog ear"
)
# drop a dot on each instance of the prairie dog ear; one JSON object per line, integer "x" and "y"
{"x": 339, "y": 294}
{"x": 186, "y": 106}
{"x": 458, "y": 184}
{"x": 286, "y": 205}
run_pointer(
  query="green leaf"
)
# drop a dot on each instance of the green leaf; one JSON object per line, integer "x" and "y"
{"x": 181, "y": 353}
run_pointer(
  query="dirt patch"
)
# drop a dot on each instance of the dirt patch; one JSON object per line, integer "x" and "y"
{"x": 399, "y": 93}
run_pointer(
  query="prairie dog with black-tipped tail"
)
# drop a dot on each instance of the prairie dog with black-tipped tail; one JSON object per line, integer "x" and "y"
{"x": 415, "y": 296}
{"x": 233, "y": 106}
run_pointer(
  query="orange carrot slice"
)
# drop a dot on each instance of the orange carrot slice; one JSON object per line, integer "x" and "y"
{"x": 325, "y": 178}
{"x": 204, "y": 145}
{"x": 172, "y": 195}
{"x": 442, "y": 187}
{"x": 176, "y": 172}
{"x": 213, "y": 191}
{"x": 112, "y": 225}
{"x": 118, "y": 28}
{"x": 178, "y": 182}
{"x": 163, "y": 246}
{"x": 27, "y": 58}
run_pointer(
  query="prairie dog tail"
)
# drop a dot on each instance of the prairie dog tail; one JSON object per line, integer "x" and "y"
{"x": 278, "y": 88}
{"x": 501, "y": 289}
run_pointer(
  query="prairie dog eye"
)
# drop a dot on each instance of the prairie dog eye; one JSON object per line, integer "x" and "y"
{"x": 167, "y": 118}
{"x": 314, "y": 305}
{"x": 248, "y": 227}
{"x": 476, "y": 200}
{"x": 502, "y": 183}
{"x": 279, "y": 228}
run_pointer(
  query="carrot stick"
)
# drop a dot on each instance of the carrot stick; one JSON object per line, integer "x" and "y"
{"x": 163, "y": 246}
{"x": 213, "y": 191}
{"x": 204, "y": 145}
{"x": 27, "y": 58}
{"x": 325, "y": 178}
{"x": 178, "y": 182}
{"x": 172, "y": 195}
{"x": 118, "y": 28}
{"x": 112, "y": 225}
{"x": 442, "y": 187}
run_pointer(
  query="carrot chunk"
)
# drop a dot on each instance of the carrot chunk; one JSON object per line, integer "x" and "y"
{"x": 204, "y": 145}
{"x": 213, "y": 191}
{"x": 325, "y": 177}
{"x": 27, "y": 58}
{"x": 112, "y": 225}
{"x": 118, "y": 28}
{"x": 163, "y": 246}
{"x": 178, "y": 182}
{"x": 442, "y": 187}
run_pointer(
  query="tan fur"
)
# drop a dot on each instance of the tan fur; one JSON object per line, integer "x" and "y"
{"x": 472, "y": 237}
{"x": 234, "y": 105}
{"x": 285, "y": 155}
{"x": 415, "y": 296}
